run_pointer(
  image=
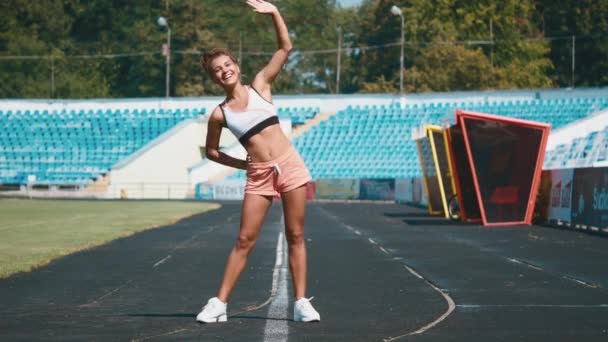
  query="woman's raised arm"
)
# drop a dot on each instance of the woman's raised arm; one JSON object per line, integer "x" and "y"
{"x": 264, "y": 78}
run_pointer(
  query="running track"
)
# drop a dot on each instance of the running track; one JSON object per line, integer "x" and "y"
{"x": 377, "y": 272}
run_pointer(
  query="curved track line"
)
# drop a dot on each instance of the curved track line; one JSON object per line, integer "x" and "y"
{"x": 161, "y": 335}
{"x": 448, "y": 299}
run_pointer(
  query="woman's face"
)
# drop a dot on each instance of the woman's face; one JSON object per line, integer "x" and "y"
{"x": 225, "y": 71}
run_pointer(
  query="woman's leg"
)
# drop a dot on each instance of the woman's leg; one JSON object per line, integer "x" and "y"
{"x": 253, "y": 213}
{"x": 294, "y": 208}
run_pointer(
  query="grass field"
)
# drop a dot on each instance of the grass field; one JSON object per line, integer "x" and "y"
{"x": 34, "y": 232}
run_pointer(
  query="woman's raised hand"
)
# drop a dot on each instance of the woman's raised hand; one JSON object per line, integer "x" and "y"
{"x": 261, "y": 6}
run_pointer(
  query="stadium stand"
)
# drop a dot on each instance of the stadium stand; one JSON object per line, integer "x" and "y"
{"x": 76, "y": 147}
{"x": 298, "y": 115}
{"x": 375, "y": 141}
{"x": 360, "y": 141}
{"x": 585, "y": 144}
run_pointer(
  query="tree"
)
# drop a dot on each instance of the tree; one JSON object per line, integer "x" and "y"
{"x": 449, "y": 68}
{"x": 588, "y": 21}
{"x": 517, "y": 58}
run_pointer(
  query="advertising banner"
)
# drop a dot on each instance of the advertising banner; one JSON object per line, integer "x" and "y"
{"x": 377, "y": 189}
{"x": 203, "y": 191}
{"x": 404, "y": 190}
{"x": 590, "y": 197}
{"x": 224, "y": 190}
{"x": 560, "y": 203}
{"x": 229, "y": 189}
{"x": 342, "y": 189}
{"x": 410, "y": 190}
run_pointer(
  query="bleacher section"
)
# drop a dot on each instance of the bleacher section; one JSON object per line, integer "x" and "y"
{"x": 584, "y": 144}
{"x": 75, "y": 147}
{"x": 361, "y": 141}
{"x": 375, "y": 141}
{"x": 298, "y": 116}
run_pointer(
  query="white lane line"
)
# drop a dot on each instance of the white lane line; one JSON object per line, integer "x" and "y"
{"x": 161, "y": 261}
{"x": 96, "y": 301}
{"x": 276, "y": 328}
{"x": 161, "y": 335}
{"x": 383, "y": 250}
{"x": 448, "y": 299}
{"x": 563, "y": 276}
{"x": 275, "y": 281}
{"x": 582, "y": 282}
{"x": 532, "y": 266}
{"x": 568, "y": 306}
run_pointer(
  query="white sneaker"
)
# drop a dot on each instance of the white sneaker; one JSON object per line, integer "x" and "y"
{"x": 304, "y": 312}
{"x": 214, "y": 311}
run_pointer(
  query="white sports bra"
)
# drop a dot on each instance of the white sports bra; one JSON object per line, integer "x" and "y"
{"x": 258, "y": 115}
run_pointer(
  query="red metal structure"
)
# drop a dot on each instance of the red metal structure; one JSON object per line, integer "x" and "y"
{"x": 504, "y": 158}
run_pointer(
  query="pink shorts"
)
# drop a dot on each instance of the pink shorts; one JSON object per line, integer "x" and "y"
{"x": 283, "y": 174}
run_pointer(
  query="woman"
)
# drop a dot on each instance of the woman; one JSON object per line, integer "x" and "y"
{"x": 273, "y": 166}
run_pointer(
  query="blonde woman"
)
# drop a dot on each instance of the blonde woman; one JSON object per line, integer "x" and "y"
{"x": 273, "y": 166}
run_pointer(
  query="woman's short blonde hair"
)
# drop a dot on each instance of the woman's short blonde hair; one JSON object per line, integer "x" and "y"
{"x": 209, "y": 56}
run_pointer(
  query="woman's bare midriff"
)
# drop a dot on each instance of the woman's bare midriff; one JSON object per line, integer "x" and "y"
{"x": 267, "y": 145}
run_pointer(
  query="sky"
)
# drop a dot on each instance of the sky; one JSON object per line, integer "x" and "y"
{"x": 348, "y": 3}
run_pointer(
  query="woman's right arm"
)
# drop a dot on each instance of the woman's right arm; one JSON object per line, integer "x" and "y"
{"x": 212, "y": 146}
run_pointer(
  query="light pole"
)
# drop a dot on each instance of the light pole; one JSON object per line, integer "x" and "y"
{"x": 397, "y": 11}
{"x": 339, "y": 59}
{"x": 162, "y": 22}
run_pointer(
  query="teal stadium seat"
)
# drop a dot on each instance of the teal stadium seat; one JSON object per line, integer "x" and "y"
{"x": 75, "y": 147}
{"x": 374, "y": 141}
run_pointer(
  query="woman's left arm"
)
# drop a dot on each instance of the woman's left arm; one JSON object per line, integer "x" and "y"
{"x": 264, "y": 78}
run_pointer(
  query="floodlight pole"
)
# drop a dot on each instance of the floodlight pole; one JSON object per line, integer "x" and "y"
{"x": 162, "y": 22}
{"x": 397, "y": 11}
{"x": 168, "y": 61}
{"x": 339, "y": 59}
{"x": 401, "y": 59}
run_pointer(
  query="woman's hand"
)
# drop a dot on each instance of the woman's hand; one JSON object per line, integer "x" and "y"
{"x": 261, "y": 6}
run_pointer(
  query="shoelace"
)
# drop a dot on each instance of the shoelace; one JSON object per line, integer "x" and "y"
{"x": 306, "y": 303}
{"x": 210, "y": 305}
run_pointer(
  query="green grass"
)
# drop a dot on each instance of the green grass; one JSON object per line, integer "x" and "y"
{"x": 35, "y": 232}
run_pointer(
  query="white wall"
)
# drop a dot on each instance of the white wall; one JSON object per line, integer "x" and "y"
{"x": 171, "y": 165}
{"x": 160, "y": 169}
{"x": 577, "y": 129}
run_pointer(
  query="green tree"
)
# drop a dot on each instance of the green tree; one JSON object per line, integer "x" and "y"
{"x": 455, "y": 33}
{"x": 588, "y": 21}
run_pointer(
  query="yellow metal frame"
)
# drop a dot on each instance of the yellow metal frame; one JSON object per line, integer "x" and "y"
{"x": 446, "y": 141}
{"x": 429, "y": 130}
{"x": 432, "y": 211}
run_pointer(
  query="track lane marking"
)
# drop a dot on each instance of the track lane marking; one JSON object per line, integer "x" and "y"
{"x": 451, "y": 304}
{"x": 276, "y": 328}
{"x": 563, "y": 276}
{"x": 161, "y": 261}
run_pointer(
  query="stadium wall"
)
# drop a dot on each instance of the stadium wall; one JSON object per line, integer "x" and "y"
{"x": 576, "y": 199}
{"x": 160, "y": 169}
